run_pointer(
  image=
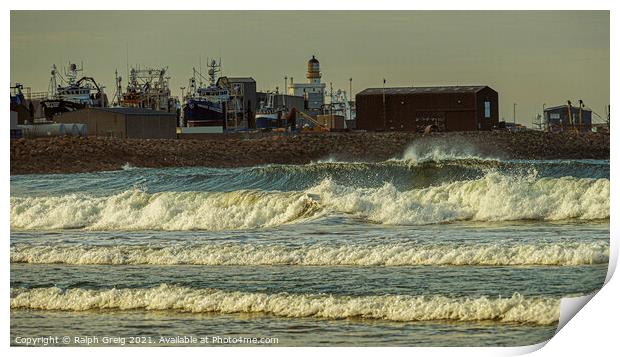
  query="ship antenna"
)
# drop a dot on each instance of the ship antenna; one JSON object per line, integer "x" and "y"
{"x": 127, "y": 56}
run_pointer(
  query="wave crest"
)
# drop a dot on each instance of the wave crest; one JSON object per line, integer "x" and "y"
{"x": 563, "y": 254}
{"x": 423, "y": 153}
{"x": 138, "y": 210}
{"x": 495, "y": 197}
{"x": 534, "y": 310}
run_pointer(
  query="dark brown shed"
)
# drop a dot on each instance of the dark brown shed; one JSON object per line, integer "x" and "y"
{"x": 448, "y": 108}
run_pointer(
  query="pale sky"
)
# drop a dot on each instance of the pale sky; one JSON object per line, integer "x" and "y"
{"x": 529, "y": 57}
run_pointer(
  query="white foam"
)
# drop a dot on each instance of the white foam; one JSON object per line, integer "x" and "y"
{"x": 128, "y": 166}
{"x": 495, "y": 197}
{"x": 137, "y": 210}
{"x": 534, "y": 310}
{"x": 424, "y": 153}
{"x": 565, "y": 254}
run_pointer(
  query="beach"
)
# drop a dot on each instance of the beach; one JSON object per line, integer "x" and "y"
{"x": 92, "y": 154}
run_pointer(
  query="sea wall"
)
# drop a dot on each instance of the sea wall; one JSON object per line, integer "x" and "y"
{"x": 77, "y": 154}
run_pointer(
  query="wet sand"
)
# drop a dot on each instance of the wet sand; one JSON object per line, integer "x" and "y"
{"x": 74, "y": 154}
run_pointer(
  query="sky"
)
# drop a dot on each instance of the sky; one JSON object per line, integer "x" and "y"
{"x": 531, "y": 58}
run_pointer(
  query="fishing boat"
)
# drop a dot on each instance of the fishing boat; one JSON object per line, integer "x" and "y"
{"x": 146, "y": 88}
{"x": 266, "y": 114}
{"x": 206, "y": 105}
{"x": 68, "y": 93}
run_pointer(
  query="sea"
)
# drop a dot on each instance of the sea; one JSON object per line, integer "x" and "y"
{"x": 420, "y": 250}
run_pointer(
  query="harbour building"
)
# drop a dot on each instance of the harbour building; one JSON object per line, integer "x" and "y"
{"x": 241, "y": 104}
{"x": 568, "y": 117}
{"x": 446, "y": 108}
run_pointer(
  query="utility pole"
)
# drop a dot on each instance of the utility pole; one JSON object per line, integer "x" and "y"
{"x": 514, "y": 115}
{"x": 608, "y": 111}
{"x": 581, "y": 105}
{"x": 350, "y": 98}
{"x": 182, "y": 93}
{"x": 570, "y": 114}
{"x": 331, "y": 98}
{"x": 350, "y": 90}
{"x": 545, "y": 120}
{"x": 384, "y": 116}
{"x": 127, "y": 57}
{"x": 284, "y": 93}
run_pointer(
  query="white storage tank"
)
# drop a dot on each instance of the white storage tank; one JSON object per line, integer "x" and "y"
{"x": 82, "y": 129}
{"x": 72, "y": 129}
{"x": 42, "y": 130}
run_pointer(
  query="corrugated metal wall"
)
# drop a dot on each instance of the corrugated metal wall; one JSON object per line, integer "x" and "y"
{"x": 121, "y": 125}
{"x": 151, "y": 126}
{"x": 99, "y": 123}
{"x": 413, "y": 111}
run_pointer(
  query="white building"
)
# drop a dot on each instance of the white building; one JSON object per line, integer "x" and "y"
{"x": 313, "y": 91}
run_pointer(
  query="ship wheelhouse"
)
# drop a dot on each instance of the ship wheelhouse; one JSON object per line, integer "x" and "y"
{"x": 82, "y": 95}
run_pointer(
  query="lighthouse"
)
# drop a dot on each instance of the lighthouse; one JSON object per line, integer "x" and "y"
{"x": 313, "y": 91}
{"x": 314, "y": 71}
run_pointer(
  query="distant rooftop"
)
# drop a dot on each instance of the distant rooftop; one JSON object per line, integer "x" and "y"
{"x": 240, "y": 79}
{"x": 575, "y": 107}
{"x": 409, "y": 90}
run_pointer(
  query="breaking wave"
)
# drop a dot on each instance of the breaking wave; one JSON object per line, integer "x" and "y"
{"x": 533, "y": 310}
{"x": 493, "y": 197}
{"x": 562, "y": 254}
{"x": 412, "y": 171}
{"x": 138, "y": 210}
{"x": 444, "y": 153}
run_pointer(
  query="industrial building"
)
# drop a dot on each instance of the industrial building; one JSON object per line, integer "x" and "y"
{"x": 446, "y": 108}
{"x": 241, "y": 106}
{"x": 126, "y": 123}
{"x": 22, "y": 105}
{"x": 282, "y": 101}
{"x": 331, "y": 121}
{"x": 313, "y": 92}
{"x": 567, "y": 117}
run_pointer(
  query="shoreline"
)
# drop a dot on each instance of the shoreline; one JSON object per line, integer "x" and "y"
{"x": 93, "y": 154}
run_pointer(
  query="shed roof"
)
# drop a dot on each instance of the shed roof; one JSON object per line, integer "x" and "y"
{"x": 421, "y": 90}
{"x": 240, "y": 79}
{"x": 575, "y": 107}
{"x": 132, "y": 111}
{"x": 264, "y": 94}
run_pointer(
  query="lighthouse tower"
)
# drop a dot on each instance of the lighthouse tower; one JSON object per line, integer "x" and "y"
{"x": 314, "y": 72}
{"x": 313, "y": 91}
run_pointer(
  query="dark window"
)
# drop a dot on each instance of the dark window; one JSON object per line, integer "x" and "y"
{"x": 487, "y": 109}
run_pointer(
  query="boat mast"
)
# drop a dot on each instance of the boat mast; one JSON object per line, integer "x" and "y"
{"x": 53, "y": 83}
{"x": 213, "y": 71}
{"x": 72, "y": 74}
